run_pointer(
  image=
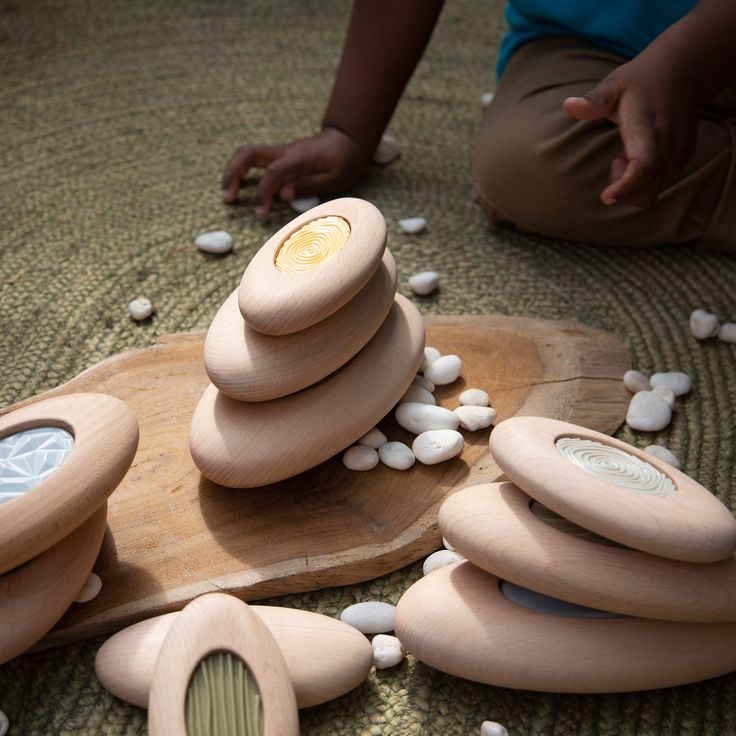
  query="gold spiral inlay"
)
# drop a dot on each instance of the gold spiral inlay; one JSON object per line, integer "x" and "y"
{"x": 313, "y": 244}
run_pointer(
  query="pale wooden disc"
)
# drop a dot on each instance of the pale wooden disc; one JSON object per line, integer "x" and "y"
{"x": 457, "y": 620}
{"x": 213, "y": 623}
{"x": 105, "y": 433}
{"x": 493, "y": 526}
{"x": 278, "y": 303}
{"x": 247, "y": 444}
{"x": 690, "y": 525}
{"x": 325, "y": 657}
{"x": 250, "y": 366}
{"x": 34, "y": 596}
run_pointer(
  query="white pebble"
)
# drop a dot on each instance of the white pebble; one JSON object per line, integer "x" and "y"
{"x": 418, "y": 418}
{"x": 360, "y": 457}
{"x": 474, "y": 418}
{"x": 662, "y": 453}
{"x": 636, "y": 381}
{"x": 412, "y": 225}
{"x": 386, "y": 640}
{"x": 217, "y": 241}
{"x": 4, "y": 724}
{"x": 678, "y": 383}
{"x": 424, "y": 283}
{"x": 437, "y": 445}
{"x": 140, "y": 309}
{"x": 474, "y": 397}
{"x": 444, "y": 370}
{"x": 486, "y": 98}
{"x": 302, "y": 204}
{"x": 420, "y": 380}
{"x": 387, "y": 656}
{"x": 387, "y": 150}
{"x": 91, "y": 589}
{"x": 370, "y": 617}
{"x": 491, "y": 728}
{"x": 703, "y": 324}
{"x": 667, "y": 394}
{"x": 447, "y": 545}
{"x": 430, "y": 355}
{"x": 373, "y": 438}
{"x": 396, "y": 455}
{"x": 727, "y": 332}
{"x": 439, "y": 559}
{"x": 648, "y": 412}
{"x": 419, "y": 395}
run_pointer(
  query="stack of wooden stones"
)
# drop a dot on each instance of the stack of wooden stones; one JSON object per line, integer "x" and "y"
{"x": 309, "y": 352}
{"x": 595, "y": 568}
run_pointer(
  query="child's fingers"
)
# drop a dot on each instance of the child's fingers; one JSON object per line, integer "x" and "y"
{"x": 599, "y": 102}
{"x": 286, "y": 168}
{"x": 309, "y": 185}
{"x": 245, "y": 158}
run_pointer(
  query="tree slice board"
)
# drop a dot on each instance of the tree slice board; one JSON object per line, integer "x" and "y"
{"x": 172, "y": 535}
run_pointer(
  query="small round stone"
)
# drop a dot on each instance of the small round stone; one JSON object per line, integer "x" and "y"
{"x": 419, "y": 395}
{"x": 91, "y": 589}
{"x": 677, "y": 382}
{"x": 727, "y": 332}
{"x": 491, "y": 728}
{"x": 636, "y": 381}
{"x": 430, "y": 356}
{"x": 217, "y": 241}
{"x": 474, "y": 418}
{"x": 439, "y": 559}
{"x": 396, "y": 455}
{"x": 412, "y": 225}
{"x": 474, "y": 397}
{"x": 425, "y": 383}
{"x": 4, "y": 724}
{"x": 303, "y": 204}
{"x": 666, "y": 394}
{"x": 486, "y": 98}
{"x": 703, "y": 324}
{"x": 360, "y": 457}
{"x": 447, "y": 545}
{"x": 387, "y": 150}
{"x": 437, "y": 445}
{"x": 370, "y": 617}
{"x": 140, "y": 309}
{"x": 418, "y": 418}
{"x": 424, "y": 283}
{"x": 663, "y": 454}
{"x": 373, "y": 438}
{"x": 387, "y": 656}
{"x": 648, "y": 412}
{"x": 444, "y": 370}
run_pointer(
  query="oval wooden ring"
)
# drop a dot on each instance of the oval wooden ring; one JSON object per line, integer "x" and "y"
{"x": 691, "y": 525}
{"x": 247, "y": 444}
{"x": 278, "y": 303}
{"x": 498, "y": 642}
{"x": 34, "y": 596}
{"x": 105, "y": 432}
{"x": 249, "y": 366}
{"x": 325, "y": 657}
{"x": 494, "y": 527}
{"x": 213, "y": 623}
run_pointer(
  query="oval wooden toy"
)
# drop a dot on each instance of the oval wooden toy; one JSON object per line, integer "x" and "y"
{"x": 312, "y": 266}
{"x": 218, "y": 623}
{"x": 325, "y": 657}
{"x": 105, "y": 438}
{"x": 247, "y": 444}
{"x": 34, "y": 596}
{"x": 250, "y": 366}
{"x": 494, "y": 527}
{"x": 457, "y": 620}
{"x": 614, "y": 489}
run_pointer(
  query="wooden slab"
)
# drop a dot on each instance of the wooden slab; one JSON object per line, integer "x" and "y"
{"x": 173, "y": 535}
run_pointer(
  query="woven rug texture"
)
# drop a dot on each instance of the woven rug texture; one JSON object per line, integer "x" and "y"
{"x": 117, "y": 118}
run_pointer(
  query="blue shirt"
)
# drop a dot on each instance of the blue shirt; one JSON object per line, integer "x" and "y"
{"x": 624, "y": 26}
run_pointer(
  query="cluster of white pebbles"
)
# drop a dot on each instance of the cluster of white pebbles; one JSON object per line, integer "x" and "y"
{"x": 704, "y": 325}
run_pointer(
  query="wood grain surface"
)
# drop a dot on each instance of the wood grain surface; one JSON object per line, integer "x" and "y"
{"x": 174, "y": 535}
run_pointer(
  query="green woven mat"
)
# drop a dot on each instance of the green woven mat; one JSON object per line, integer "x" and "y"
{"x": 116, "y": 120}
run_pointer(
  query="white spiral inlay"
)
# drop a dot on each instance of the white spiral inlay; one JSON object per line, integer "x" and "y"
{"x": 615, "y": 466}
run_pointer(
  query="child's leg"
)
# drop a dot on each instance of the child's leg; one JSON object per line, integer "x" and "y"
{"x": 539, "y": 169}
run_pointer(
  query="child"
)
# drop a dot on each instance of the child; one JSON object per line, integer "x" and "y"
{"x": 613, "y": 122}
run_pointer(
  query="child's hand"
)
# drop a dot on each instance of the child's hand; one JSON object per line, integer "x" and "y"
{"x": 654, "y": 101}
{"x": 327, "y": 163}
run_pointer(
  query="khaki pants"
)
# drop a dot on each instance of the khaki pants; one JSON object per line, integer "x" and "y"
{"x": 542, "y": 171}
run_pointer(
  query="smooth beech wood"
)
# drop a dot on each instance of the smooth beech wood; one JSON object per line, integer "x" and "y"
{"x": 691, "y": 525}
{"x": 249, "y": 366}
{"x": 105, "y": 432}
{"x": 249, "y": 444}
{"x": 277, "y": 303}
{"x": 34, "y": 596}
{"x": 493, "y": 526}
{"x": 325, "y": 657}
{"x": 457, "y": 620}
{"x": 174, "y": 535}
{"x": 220, "y": 623}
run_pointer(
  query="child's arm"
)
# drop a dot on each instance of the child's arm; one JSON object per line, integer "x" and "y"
{"x": 655, "y": 98}
{"x": 385, "y": 40}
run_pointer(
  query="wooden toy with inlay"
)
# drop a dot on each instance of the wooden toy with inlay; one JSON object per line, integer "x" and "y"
{"x": 59, "y": 461}
{"x": 309, "y": 353}
{"x": 549, "y": 598}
